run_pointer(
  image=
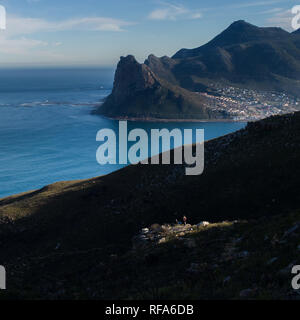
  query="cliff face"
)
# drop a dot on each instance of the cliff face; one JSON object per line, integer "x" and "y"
{"x": 132, "y": 77}
{"x": 139, "y": 92}
{"x": 162, "y": 67}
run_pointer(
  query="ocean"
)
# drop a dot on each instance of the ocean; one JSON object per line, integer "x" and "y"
{"x": 48, "y": 131}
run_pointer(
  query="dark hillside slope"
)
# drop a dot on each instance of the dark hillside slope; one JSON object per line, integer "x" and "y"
{"x": 66, "y": 230}
{"x": 250, "y": 173}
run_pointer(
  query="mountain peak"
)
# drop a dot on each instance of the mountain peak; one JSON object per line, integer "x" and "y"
{"x": 251, "y": 32}
{"x": 241, "y": 23}
{"x": 131, "y": 71}
{"x": 131, "y": 78}
{"x": 128, "y": 59}
{"x": 239, "y": 32}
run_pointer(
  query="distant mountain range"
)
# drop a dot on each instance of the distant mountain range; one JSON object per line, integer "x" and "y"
{"x": 242, "y": 56}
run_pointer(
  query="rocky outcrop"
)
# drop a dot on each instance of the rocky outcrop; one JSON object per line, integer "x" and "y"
{"x": 139, "y": 92}
{"x": 132, "y": 77}
{"x": 162, "y": 67}
{"x": 158, "y": 234}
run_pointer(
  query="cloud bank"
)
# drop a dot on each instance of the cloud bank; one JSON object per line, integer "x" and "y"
{"x": 169, "y": 11}
{"x": 17, "y": 38}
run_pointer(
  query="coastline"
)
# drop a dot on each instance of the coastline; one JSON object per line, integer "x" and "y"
{"x": 136, "y": 119}
{"x": 93, "y": 179}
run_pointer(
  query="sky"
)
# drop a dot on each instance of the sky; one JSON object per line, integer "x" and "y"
{"x": 98, "y": 32}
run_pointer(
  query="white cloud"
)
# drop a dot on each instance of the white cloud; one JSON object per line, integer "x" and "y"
{"x": 16, "y": 39}
{"x": 170, "y": 12}
{"x": 196, "y": 15}
{"x": 92, "y": 24}
{"x": 271, "y": 11}
{"x": 282, "y": 19}
{"x": 173, "y": 12}
{"x": 20, "y": 25}
{"x": 19, "y": 46}
{"x": 257, "y": 4}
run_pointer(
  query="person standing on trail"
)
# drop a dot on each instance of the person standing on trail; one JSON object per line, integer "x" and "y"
{"x": 184, "y": 220}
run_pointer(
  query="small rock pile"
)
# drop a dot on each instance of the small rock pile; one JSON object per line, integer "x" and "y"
{"x": 158, "y": 234}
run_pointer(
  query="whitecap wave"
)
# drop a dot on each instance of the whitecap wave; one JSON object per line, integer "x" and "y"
{"x": 59, "y": 103}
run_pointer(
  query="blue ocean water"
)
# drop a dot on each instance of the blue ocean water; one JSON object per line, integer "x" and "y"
{"x": 47, "y": 131}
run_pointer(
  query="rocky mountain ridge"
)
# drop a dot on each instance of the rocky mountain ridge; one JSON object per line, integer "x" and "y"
{"x": 242, "y": 56}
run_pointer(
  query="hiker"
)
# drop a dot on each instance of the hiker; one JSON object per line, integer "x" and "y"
{"x": 178, "y": 222}
{"x": 184, "y": 220}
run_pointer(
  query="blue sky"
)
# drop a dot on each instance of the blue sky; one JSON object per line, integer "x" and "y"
{"x": 98, "y": 32}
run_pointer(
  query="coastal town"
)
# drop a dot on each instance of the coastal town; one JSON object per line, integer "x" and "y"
{"x": 250, "y": 105}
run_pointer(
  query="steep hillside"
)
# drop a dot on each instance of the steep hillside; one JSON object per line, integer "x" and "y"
{"x": 74, "y": 239}
{"x": 244, "y": 53}
{"x": 237, "y": 33}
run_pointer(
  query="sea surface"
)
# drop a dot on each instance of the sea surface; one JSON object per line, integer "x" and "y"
{"x": 48, "y": 131}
